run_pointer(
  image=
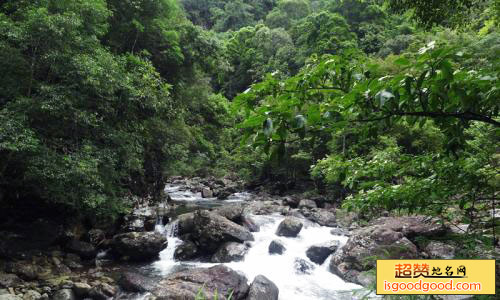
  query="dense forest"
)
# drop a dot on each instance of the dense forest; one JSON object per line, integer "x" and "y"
{"x": 379, "y": 104}
{"x": 383, "y": 113}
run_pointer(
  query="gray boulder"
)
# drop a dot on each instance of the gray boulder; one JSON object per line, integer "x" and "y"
{"x": 207, "y": 193}
{"x": 229, "y": 252}
{"x": 64, "y": 294}
{"x": 263, "y": 289}
{"x": 320, "y": 216}
{"x": 276, "y": 247}
{"x": 139, "y": 246}
{"x": 212, "y": 230}
{"x": 440, "y": 250}
{"x": 102, "y": 291}
{"x": 187, "y": 284}
{"x": 306, "y": 203}
{"x": 83, "y": 249}
{"x": 289, "y": 227}
{"x": 9, "y": 280}
{"x": 186, "y": 251}
{"x": 185, "y": 223}
{"x": 135, "y": 283}
{"x": 319, "y": 253}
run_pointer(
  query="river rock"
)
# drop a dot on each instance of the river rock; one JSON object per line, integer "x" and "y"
{"x": 187, "y": 284}
{"x": 302, "y": 266}
{"x": 24, "y": 270}
{"x": 135, "y": 283}
{"x": 319, "y": 253}
{"x": 413, "y": 226}
{"x": 212, "y": 230}
{"x": 9, "y": 280}
{"x": 229, "y": 252}
{"x": 102, "y": 291}
{"x": 306, "y": 203}
{"x": 440, "y": 250}
{"x": 207, "y": 193}
{"x": 263, "y": 289}
{"x": 32, "y": 295}
{"x": 293, "y": 202}
{"x": 321, "y": 216}
{"x": 377, "y": 242}
{"x": 276, "y": 247}
{"x": 64, "y": 294}
{"x": 133, "y": 224}
{"x": 83, "y": 249}
{"x": 249, "y": 223}
{"x": 186, "y": 251}
{"x": 139, "y": 246}
{"x": 81, "y": 289}
{"x": 340, "y": 231}
{"x": 231, "y": 212}
{"x": 289, "y": 227}
{"x": 185, "y": 223}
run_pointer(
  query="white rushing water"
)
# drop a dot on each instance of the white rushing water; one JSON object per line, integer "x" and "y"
{"x": 319, "y": 284}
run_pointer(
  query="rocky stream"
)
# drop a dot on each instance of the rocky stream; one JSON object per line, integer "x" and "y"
{"x": 213, "y": 237}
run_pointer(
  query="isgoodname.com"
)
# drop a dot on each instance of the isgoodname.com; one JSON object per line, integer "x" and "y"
{"x": 425, "y": 287}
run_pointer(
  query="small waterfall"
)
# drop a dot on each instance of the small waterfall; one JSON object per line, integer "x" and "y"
{"x": 172, "y": 228}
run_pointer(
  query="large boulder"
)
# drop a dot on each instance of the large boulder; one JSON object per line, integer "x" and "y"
{"x": 139, "y": 246}
{"x": 187, "y": 284}
{"x": 212, "y": 230}
{"x": 321, "y": 216}
{"x": 289, "y": 227}
{"x": 83, "y": 249}
{"x": 306, "y": 203}
{"x": 186, "y": 251}
{"x": 262, "y": 289}
{"x": 64, "y": 294}
{"x": 276, "y": 247}
{"x": 102, "y": 291}
{"x": 9, "y": 280}
{"x": 185, "y": 223}
{"x": 376, "y": 241}
{"x": 135, "y": 283}
{"x": 249, "y": 223}
{"x": 413, "y": 226}
{"x": 207, "y": 193}
{"x": 229, "y": 252}
{"x": 319, "y": 253}
{"x": 441, "y": 250}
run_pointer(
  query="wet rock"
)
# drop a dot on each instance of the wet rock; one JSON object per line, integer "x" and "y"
{"x": 139, "y": 246}
{"x": 302, "y": 266}
{"x": 83, "y": 249}
{"x": 293, "y": 202}
{"x": 187, "y": 284}
{"x": 319, "y": 253}
{"x": 229, "y": 252}
{"x": 276, "y": 247}
{"x": 9, "y": 280}
{"x": 207, "y": 193}
{"x": 321, "y": 216}
{"x": 149, "y": 224}
{"x": 231, "y": 212}
{"x": 185, "y": 223}
{"x": 263, "y": 289}
{"x": 306, "y": 203}
{"x": 73, "y": 261}
{"x": 102, "y": 291}
{"x": 135, "y": 283}
{"x": 186, "y": 251}
{"x": 440, "y": 250}
{"x": 373, "y": 241}
{"x": 24, "y": 270}
{"x": 64, "y": 294}
{"x": 340, "y": 231}
{"x": 289, "y": 227}
{"x": 32, "y": 295}
{"x": 212, "y": 230}
{"x": 413, "y": 226}
{"x": 249, "y": 223}
{"x": 81, "y": 289}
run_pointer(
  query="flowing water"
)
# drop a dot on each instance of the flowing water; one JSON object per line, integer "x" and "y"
{"x": 318, "y": 283}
